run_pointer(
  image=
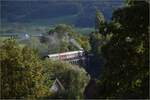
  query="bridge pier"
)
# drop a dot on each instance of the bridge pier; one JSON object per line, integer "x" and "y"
{"x": 79, "y": 61}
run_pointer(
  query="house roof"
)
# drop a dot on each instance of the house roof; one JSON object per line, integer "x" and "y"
{"x": 56, "y": 86}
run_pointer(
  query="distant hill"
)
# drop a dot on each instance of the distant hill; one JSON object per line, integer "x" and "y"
{"x": 79, "y": 13}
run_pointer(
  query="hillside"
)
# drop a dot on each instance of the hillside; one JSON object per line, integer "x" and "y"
{"x": 77, "y": 13}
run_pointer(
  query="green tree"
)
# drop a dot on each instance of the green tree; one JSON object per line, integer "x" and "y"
{"x": 126, "y": 72}
{"x": 73, "y": 78}
{"x": 96, "y": 40}
{"x": 62, "y": 29}
{"x": 63, "y": 33}
{"x": 20, "y": 72}
{"x": 100, "y": 24}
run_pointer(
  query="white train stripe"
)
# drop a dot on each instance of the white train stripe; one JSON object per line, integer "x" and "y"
{"x": 66, "y": 55}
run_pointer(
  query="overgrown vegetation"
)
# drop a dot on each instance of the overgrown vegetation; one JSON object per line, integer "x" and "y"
{"x": 73, "y": 78}
{"x": 24, "y": 75}
{"x": 126, "y": 63}
{"x": 119, "y": 60}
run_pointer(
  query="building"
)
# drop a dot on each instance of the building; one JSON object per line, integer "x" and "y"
{"x": 56, "y": 86}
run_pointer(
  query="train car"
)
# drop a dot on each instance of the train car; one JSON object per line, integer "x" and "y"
{"x": 66, "y": 55}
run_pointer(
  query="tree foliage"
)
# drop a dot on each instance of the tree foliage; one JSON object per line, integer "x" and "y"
{"x": 126, "y": 72}
{"x": 20, "y": 72}
{"x": 100, "y": 23}
{"x": 24, "y": 75}
{"x": 62, "y": 34}
{"x": 73, "y": 78}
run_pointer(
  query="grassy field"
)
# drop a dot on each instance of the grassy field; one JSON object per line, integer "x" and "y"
{"x": 84, "y": 31}
{"x": 34, "y": 28}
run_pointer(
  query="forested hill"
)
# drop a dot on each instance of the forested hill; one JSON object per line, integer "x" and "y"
{"x": 76, "y": 12}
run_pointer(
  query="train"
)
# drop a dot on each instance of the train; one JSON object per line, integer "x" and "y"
{"x": 66, "y": 55}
